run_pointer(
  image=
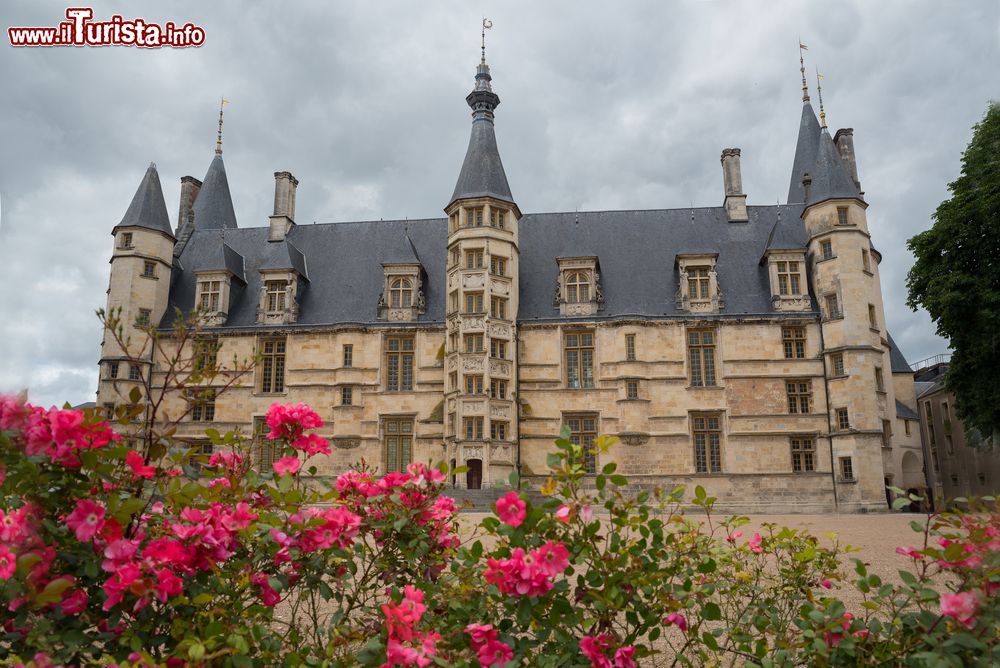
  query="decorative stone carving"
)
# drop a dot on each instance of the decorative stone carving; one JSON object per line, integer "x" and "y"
{"x": 499, "y": 410}
{"x": 290, "y": 312}
{"x": 499, "y": 329}
{"x": 473, "y": 323}
{"x": 475, "y": 280}
{"x": 346, "y": 443}
{"x": 472, "y": 452}
{"x": 695, "y": 303}
{"x": 500, "y": 287}
{"x": 413, "y": 275}
{"x": 500, "y": 367}
{"x": 472, "y": 364}
{"x": 452, "y": 363}
{"x": 501, "y": 453}
{"x": 477, "y": 406}
{"x": 633, "y": 437}
{"x": 590, "y": 267}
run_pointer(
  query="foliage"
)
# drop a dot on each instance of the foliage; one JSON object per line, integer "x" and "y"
{"x": 107, "y": 557}
{"x": 956, "y": 277}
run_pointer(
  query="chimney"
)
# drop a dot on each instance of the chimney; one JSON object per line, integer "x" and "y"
{"x": 189, "y": 193}
{"x": 844, "y": 139}
{"x": 807, "y": 182}
{"x": 736, "y": 201}
{"x": 284, "y": 206}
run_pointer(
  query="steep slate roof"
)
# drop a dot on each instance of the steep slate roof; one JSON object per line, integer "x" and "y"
{"x": 636, "y": 251}
{"x": 284, "y": 255}
{"x": 148, "y": 208}
{"x": 904, "y": 412}
{"x": 213, "y": 207}
{"x": 817, "y": 156}
{"x": 805, "y": 154}
{"x": 896, "y": 358}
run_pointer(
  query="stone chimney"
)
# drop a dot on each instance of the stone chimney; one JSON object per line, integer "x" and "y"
{"x": 284, "y": 205}
{"x": 807, "y": 183}
{"x": 844, "y": 139}
{"x": 736, "y": 201}
{"x": 189, "y": 193}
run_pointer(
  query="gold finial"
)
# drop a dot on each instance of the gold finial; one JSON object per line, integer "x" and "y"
{"x": 218, "y": 138}
{"x": 819, "y": 93}
{"x": 802, "y": 68}
{"x": 487, "y": 24}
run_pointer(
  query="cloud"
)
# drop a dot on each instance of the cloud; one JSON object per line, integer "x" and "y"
{"x": 604, "y": 105}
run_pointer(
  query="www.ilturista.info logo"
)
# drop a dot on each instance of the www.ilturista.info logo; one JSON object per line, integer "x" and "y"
{"x": 79, "y": 30}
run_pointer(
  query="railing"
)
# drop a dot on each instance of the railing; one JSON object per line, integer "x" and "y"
{"x": 931, "y": 361}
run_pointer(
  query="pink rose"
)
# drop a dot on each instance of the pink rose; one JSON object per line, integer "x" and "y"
{"x": 135, "y": 462}
{"x": 563, "y": 513}
{"x": 8, "y": 563}
{"x": 754, "y": 544}
{"x": 285, "y": 465}
{"x": 677, "y": 619}
{"x": 86, "y": 519}
{"x": 511, "y": 509}
{"x": 961, "y": 607}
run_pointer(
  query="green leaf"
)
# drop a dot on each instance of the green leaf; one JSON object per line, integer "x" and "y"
{"x": 699, "y": 493}
{"x": 900, "y": 503}
{"x": 135, "y": 395}
{"x": 711, "y": 612}
{"x": 53, "y": 591}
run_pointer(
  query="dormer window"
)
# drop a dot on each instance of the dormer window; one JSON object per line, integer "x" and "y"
{"x": 788, "y": 286}
{"x": 208, "y": 295}
{"x": 788, "y": 278}
{"x": 275, "y": 298}
{"x": 278, "y": 303}
{"x": 401, "y": 293}
{"x": 579, "y": 289}
{"x": 698, "y": 283}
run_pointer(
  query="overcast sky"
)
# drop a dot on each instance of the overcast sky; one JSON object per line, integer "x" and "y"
{"x": 605, "y": 105}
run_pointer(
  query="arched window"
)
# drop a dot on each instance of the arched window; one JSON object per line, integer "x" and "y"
{"x": 400, "y": 293}
{"x": 577, "y": 288}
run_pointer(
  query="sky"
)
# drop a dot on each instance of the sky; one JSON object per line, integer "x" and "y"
{"x": 605, "y": 105}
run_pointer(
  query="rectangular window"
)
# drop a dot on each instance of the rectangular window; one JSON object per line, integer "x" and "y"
{"x": 473, "y": 384}
{"x": 274, "y": 298}
{"x": 453, "y": 380}
{"x": 794, "y": 341}
{"x": 208, "y": 299}
{"x": 144, "y": 317}
{"x": 583, "y": 431}
{"x": 954, "y": 479}
{"x": 474, "y": 217}
{"x": 498, "y": 349}
{"x": 837, "y": 359}
{"x": 347, "y": 396}
{"x": 474, "y": 302}
{"x": 949, "y": 445}
{"x": 707, "y": 444}
{"x": 202, "y": 403}
{"x": 843, "y": 419}
{"x": 109, "y": 411}
{"x": 701, "y": 353}
{"x": 456, "y": 256}
{"x": 473, "y": 343}
{"x": 272, "y": 366}
{"x": 579, "y": 356}
{"x": 473, "y": 428}
{"x": 451, "y": 424}
{"x": 906, "y": 427}
{"x": 826, "y": 248}
{"x": 846, "y": 468}
{"x": 498, "y": 389}
{"x": 398, "y": 444}
{"x": 498, "y": 265}
{"x": 842, "y": 216}
{"x": 498, "y": 218}
{"x": 149, "y": 269}
{"x": 789, "y": 280}
{"x": 630, "y": 347}
{"x": 879, "y": 380}
{"x": 348, "y": 355}
{"x": 872, "y": 318}
{"x": 803, "y": 454}
{"x": 833, "y": 308}
{"x": 112, "y": 370}
{"x": 399, "y": 363}
{"x": 866, "y": 261}
{"x": 498, "y": 431}
{"x": 631, "y": 389}
{"x": 265, "y": 449}
{"x": 126, "y": 240}
{"x": 206, "y": 352}
{"x": 134, "y": 372}
{"x": 799, "y": 395}
{"x": 886, "y": 434}
{"x": 474, "y": 259}
{"x": 698, "y": 283}
{"x": 453, "y": 225}
{"x": 498, "y": 308}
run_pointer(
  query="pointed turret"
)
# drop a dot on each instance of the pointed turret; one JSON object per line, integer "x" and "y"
{"x": 148, "y": 209}
{"x": 830, "y": 175}
{"x": 213, "y": 210}
{"x": 482, "y": 172}
{"x": 805, "y": 153}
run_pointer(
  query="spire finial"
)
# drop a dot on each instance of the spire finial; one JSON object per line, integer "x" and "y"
{"x": 802, "y": 68}
{"x": 819, "y": 93}
{"x": 218, "y": 139}
{"x": 487, "y": 24}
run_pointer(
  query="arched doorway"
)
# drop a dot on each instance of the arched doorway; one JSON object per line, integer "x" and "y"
{"x": 474, "y": 476}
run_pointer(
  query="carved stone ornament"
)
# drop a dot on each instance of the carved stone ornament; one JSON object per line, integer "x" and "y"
{"x": 633, "y": 438}
{"x": 346, "y": 443}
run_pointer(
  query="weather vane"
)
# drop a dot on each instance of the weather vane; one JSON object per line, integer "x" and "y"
{"x": 487, "y": 24}
{"x": 218, "y": 139}
{"x": 802, "y": 68}
{"x": 819, "y": 92}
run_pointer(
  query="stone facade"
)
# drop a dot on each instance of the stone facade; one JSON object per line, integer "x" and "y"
{"x": 775, "y": 389}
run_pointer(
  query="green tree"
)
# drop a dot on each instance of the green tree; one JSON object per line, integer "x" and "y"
{"x": 957, "y": 277}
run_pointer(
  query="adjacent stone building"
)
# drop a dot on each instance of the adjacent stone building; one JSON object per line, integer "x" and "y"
{"x": 739, "y": 347}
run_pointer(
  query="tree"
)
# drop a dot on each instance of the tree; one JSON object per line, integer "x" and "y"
{"x": 957, "y": 277}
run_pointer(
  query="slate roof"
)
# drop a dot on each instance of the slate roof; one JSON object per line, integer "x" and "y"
{"x": 482, "y": 172}
{"x": 805, "y": 153}
{"x": 817, "y": 155}
{"x": 896, "y": 359}
{"x": 213, "y": 207}
{"x": 148, "y": 208}
{"x": 284, "y": 255}
{"x": 636, "y": 251}
{"x": 219, "y": 256}
{"x": 904, "y": 412}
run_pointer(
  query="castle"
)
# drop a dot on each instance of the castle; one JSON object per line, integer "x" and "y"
{"x": 738, "y": 347}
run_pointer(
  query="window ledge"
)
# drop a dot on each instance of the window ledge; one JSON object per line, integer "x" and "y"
{"x": 847, "y": 481}
{"x": 826, "y": 259}
{"x": 840, "y": 376}
{"x": 875, "y": 329}
{"x": 152, "y": 278}
{"x": 868, "y": 272}
{"x": 705, "y": 387}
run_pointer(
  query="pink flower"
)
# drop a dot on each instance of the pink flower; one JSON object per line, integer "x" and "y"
{"x": 285, "y": 465}
{"x": 677, "y": 619}
{"x": 74, "y": 603}
{"x": 13, "y": 412}
{"x": 511, "y": 509}
{"x": 553, "y": 558}
{"x": 86, "y": 519}
{"x": 623, "y": 657}
{"x": 168, "y": 585}
{"x": 961, "y": 607}
{"x": 563, "y": 513}
{"x": 219, "y": 482}
{"x": 909, "y": 552}
{"x": 586, "y": 514}
{"x": 734, "y": 535}
{"x": 495, "y": 653}
{"x": 312, "y": 444}
{"x": 290, "y": 421}
{"x": 480, "y": 634}
{"x": 135, "y": 462}
{"x": 8, "y": 563}
{"x": 268, "y": 596}
{"x": 754, "y": 544}
{"x": 825, "y": 584}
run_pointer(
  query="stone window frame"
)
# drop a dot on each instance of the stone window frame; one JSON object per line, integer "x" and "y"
{"x": 396, "y": 360}
{"x": 473, "y": 427}
{"x": 348, "y": 349}
{"x": 499, "y": 430}
{"x": 134, "y": 372}
{"x": 630, "y": 347}
{"x": 684, "y": 263}
{"x": 145, "y": 318}
{"x": 799, "y": 393}
{"x": 588, "y": 269}
{"x": 125, "y": 241}
{"x": 577, "y": 344}
{"x": 272, "y": 310}
{"x": 148, "y": 269}
{"x": 792, "y": 344}
{"x": 831, "y": 300}
{"x": 789, "y": 300}
{"x": 846, "y": 469}
{"x": 201, "y": 404}
{"x": 582, "y": 434}
{"x": 706, "y": 429}
{"x": 826, "y": 251}
{"x": 843, "y": 417}
{"x": 271, "y": 380}
{"x": 838, "y": 366}
{"x": 802, "y": 450}
{"x": 111, "y": 370}
{"x": 398, "y": 432}
{"x": 498, "y": 388}
{"x": 396, "y": 274}
{"x": 218, "y": 314}
{"x": 703, "y": 377}
{"x": 632, "y": 389}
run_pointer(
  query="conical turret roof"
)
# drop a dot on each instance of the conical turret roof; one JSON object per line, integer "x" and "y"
{"x": 213, "y": 208}
{"x": 148, "y": 208}
{"x": 817, "y": 156}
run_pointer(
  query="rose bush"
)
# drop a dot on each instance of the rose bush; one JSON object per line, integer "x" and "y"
{"x": 110, "y": 555}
